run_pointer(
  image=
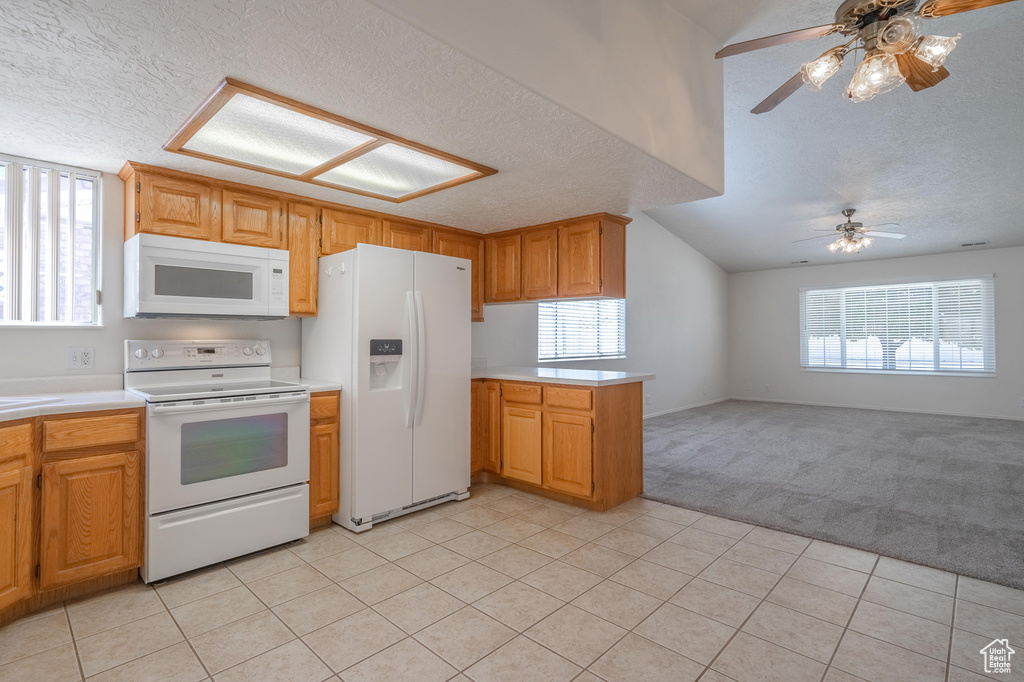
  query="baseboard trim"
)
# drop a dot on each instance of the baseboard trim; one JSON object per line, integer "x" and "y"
{"x": 878, "y": 409}
{"x": 688, "y": 407}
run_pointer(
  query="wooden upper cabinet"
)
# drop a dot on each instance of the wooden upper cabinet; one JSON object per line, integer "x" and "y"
{"x": 171, "y": 206}
{"x": 406, "y": 236}
{"x": 343, "y": 230}
{"x": 540, "y": 263}
{"x": 91, "y": 520}
{"x": 16, "y": 531}
{"x": 471, "y": 248}
{"x": 303, "y": 253}
{"x": 579, "y": 259}
{"x": 253, "y": 219}
{"x": 521, "y": 443}
{"x": 504, "y": 268}
{"x": 568, "y": 453}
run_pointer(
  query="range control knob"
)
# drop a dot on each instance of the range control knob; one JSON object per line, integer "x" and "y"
{"x": 157, "y": 353}
{"x": 247, "y": 350}
{"x": 260, "y": 350}
{"x": 141, "y": 353}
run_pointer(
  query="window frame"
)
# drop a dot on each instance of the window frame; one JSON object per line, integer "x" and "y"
{"x": 988, "y": 319}
{"x": 620, "y": 355}
{"x": 13, "y": 242}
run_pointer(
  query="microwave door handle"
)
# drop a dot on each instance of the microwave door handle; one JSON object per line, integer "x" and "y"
{"x": 190, "y": 406}
{"x": 410, "y": 362}
{"x": 421, "y": 358}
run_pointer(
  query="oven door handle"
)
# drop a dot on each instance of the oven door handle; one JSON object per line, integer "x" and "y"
{"x": 190, "y": 406}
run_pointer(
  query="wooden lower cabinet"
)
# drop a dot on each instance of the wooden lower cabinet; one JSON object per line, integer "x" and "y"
{"x": 324, "y": 454}
{"x": 576, "y": 443}
{"x": 91, "y": 517}
{"x": 16, "y": 562}
{"x": 569, "y": 453}
{"x": 521, "y": 442}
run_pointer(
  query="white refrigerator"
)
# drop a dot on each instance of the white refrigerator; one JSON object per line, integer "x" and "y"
{"x": 393, "y": 328}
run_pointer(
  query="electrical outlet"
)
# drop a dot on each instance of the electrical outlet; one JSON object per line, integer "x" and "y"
{"x": 80, "y": 358}
{"x": 750, "y": 387}
{"x": 767, "y": 388}
{"x": 647, "y": 399}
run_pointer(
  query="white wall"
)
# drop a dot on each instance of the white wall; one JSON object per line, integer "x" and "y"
{"x": 598, "y": 58}
{"x": 39, "y": 352}
{"x": 764, "y": 333}
{"x": 675, "y": 323}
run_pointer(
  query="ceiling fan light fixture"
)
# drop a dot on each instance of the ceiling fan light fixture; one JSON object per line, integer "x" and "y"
{"x": 877, "y": 74}
{"x": 816, "y": 72}
{"x": 898, "y": 36}
{"x": 850, "y": 243}
{"x": 934, "y": 49}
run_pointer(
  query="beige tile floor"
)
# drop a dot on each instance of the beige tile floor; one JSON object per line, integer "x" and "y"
{"x": 510, "y": 586}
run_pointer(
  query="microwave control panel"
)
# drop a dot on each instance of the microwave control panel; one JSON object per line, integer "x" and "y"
{"x": 278, "y": 283}
{"x": 141, "y": 356}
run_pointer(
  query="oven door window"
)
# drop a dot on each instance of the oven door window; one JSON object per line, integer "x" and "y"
{"x": 224, "y": 448}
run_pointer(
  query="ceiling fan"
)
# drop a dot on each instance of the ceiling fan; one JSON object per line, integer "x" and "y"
{"x": 894, "y": 50}
{"x": 853, "y": 237}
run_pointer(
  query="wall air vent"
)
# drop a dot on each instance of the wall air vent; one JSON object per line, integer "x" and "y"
{"x": 973, "y": 244}
{"x": 242, "y": 125}
{"x": 799, "y": 262}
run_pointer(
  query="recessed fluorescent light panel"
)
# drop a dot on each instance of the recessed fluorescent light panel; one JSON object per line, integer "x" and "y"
{"x": 244, "y": 126}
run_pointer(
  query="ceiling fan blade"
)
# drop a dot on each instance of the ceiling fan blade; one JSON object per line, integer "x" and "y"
{"x": 944, "y": 8}
{"x": 780, "y": 39}
{"x": 887, "y": 235}
{"x": 918, "y": 73}
{"x": 775, "y": 99}
{"x": 820, "y": 236}
{"x": 876, "y": 227}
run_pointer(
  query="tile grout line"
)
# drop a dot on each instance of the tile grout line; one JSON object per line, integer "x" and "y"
{"x": 74, "y": 640}
{"x": 853, "y": 613}
{"x": 952, "y": 627}
{"x": 188, "y": 641}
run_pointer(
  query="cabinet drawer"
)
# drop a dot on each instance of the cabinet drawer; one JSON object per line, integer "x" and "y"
{"x": 84, "y": 432}
{"x": 573, "y": 398}
{"x": 522, "y": 393}
{"x": 323, "y": 406}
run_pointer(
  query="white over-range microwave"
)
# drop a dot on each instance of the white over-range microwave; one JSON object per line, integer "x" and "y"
{"x": 177, "y": 277}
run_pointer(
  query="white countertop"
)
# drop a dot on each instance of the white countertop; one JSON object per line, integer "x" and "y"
{"x": 63, "y": 403}
{"x": 555, "y": 375}
{"x": 316, "y": 385}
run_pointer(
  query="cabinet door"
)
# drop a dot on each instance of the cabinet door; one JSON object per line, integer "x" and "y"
{"x": 540, "y": 263}
{"x": 521, "y": 443}
{"x": 478, "y": 425}
{"x": 91, "y": 521}
{"x": 504, "y": 262}
{"x": 579, "y": 259}
{"x": 343, "y": 231}
{"x": 15, "y": 535}
{"x": 177, "y": 208}
{"x": 303, "y": 252}
{"x": 324, "y": 480}
{"x": 492, "y": 454}
{"x": 405, "y": 236}
{"x": 253, "y": 219}
{"x": 568, "y": 453}
{"x": 472, "y": 249}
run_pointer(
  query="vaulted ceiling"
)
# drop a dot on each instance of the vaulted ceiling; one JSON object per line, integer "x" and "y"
{"x": 945, "y": 163}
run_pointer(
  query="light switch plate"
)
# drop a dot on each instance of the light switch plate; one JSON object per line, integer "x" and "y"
{"x": 80, "y": 358}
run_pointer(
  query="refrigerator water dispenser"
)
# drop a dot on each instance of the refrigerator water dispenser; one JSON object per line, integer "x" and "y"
{"x": 385, "y": 359}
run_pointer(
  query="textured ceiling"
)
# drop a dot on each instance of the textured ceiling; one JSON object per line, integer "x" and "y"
{"x": 945, "y": 163}
{"x": 96, "y": 83}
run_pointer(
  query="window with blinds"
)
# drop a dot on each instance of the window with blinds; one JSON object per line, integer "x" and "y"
{"x": 945, "y": 326}
{"x": 49, "y": 241}
{"x": 581, "y": 330}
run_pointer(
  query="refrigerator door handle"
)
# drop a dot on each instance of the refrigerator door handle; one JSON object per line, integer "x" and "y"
{"x": 412, "y": 360}
{"x": 421, "y": 359}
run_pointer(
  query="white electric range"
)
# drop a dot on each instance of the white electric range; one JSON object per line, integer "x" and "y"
{"x": 227, "y": 452}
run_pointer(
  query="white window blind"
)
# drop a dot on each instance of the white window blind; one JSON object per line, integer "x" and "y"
{"x": 581, "y": 330}
{"x": 49, "y": 236}
{"x": 944, "y": 326}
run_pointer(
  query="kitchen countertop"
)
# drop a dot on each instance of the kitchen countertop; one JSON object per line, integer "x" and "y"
{"x": 63, "y": 403}
{"x": 555, "y": 375}
{"x": 316, "y": 385}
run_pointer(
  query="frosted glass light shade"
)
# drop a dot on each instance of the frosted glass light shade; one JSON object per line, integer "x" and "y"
{"x": 394, "y": 171}
{"x": 879, "y": 73}
{"x": 815, "y": 73}
{"x": 258, "y": 133}
{"x": 935, "y": 49}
